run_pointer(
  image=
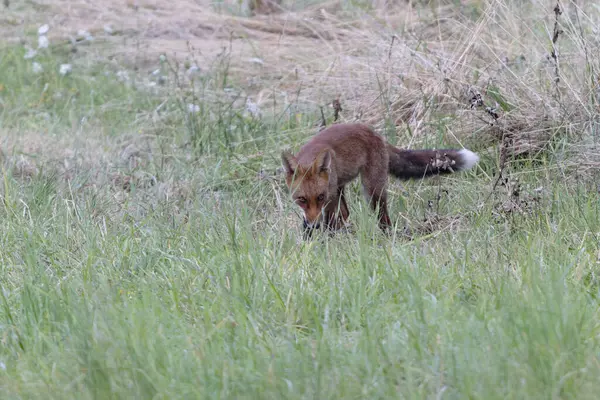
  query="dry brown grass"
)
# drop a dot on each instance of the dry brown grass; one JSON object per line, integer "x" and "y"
{"x": 414, "y": 66}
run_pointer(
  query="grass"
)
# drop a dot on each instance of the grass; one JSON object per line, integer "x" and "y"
{"x": 225, "y": 306}
{"x": 149, "y": 252}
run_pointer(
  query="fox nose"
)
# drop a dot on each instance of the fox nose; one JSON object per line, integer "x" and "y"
{"x": 309, "y": 228}
{"x": 307, "y": 225}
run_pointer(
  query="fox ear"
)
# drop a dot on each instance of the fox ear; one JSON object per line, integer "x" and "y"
{"x": 289, "y": 162}
{"x": 323, "y": 161}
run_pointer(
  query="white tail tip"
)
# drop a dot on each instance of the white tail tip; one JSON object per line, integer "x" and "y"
{"x": 469, "y": 159}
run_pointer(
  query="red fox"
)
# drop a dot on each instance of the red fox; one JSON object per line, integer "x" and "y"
{"x": 317, "y": 175}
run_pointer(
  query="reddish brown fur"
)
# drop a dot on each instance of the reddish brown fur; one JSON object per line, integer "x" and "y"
{"x": 318, "y": 174}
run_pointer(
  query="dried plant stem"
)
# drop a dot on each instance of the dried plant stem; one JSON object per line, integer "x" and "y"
{"x": 337, "y": 109}
{"x": 554, "y": 53}
{"x": 323, "y": 123}
{"x": 506, "y": 144}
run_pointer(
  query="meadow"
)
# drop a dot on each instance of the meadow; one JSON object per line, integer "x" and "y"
{"x": 149, "y": 248}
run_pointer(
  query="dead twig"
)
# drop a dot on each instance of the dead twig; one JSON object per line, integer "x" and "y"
{"x": 506, "y": 144}
{"x": 323, "y": 123}
{"x": 337, "y": 109}
{"x": 554, "y": 53}
{"x": 391, "y": 46}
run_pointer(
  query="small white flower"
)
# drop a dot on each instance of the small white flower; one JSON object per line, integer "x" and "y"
{"x": 65, "y": 69}
{"x": 193, "y": 70}
{"x": 84, "y": 35}
{"x": 256, "y": 60}
{"x": 122, "y": 76}
{"x": 42, "y": 30}
{"x": 30, "y": 53}
{"x": 252, "y": 108}
{"x": 37, "y": 67}
{"x": 193, "y": 108}
{"x": 43, "y": 42}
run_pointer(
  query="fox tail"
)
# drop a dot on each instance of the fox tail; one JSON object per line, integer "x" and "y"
{"x": 407, "y": 164}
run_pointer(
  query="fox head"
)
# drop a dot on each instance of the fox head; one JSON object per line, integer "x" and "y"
{"x": 309, "y": 185}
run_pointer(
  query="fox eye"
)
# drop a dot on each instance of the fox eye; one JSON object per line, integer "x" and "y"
{"x": 301, "y": 200}
{"x": 321, "y": 197}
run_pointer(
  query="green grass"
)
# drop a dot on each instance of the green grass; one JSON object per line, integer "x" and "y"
{"x": 93, "y": 97}
{"x": 229, "y": 306}
{"x": 109, "y": 293}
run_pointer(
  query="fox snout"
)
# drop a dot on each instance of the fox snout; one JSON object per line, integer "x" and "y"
{"x": 308, "y": 225}
{"x": 312, "y": 217}
{"x": 309, "y": 228}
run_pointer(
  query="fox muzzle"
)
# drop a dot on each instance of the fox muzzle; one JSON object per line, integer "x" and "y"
{"x": 311, "y": 225}
{"x": 309, "y": 228}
